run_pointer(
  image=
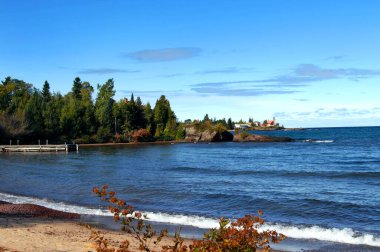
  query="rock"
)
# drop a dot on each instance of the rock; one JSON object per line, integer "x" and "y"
{"x": 194, "y": 135}
{"x": 261, "y": 138}
{"x": 31, "y": 210}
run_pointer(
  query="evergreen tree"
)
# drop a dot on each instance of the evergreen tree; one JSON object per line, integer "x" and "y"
{"x": 230, "y": 125}
{"x": 103, "y": 110}
{"x": 77, "y": 88}
{"x": 162, "y": 115}
{"x": 33, "y": 112}
{"x": 87, "y": 109}
{"x": 46, "y": 92}
{"x": 206, "y": 118}
{"x": 149, "y": 117}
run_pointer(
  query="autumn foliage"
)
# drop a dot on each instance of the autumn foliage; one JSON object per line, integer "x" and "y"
{"x": 242, "y": 235}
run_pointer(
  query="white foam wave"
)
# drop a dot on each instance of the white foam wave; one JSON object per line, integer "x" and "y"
{"x": 344, "y": 235}
{"x": 186, "y": 220}
{"x": 60, "y": 206}
{"x": 318, "y": 141}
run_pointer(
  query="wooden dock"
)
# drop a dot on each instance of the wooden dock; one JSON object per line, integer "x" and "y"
{"x": 39, "y": 148}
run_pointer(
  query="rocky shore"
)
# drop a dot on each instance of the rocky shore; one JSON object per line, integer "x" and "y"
{"x": 194, "y": 135}
{"x": 31, "y": 210}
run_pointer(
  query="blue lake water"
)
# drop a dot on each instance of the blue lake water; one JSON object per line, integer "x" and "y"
{"x": 324, "y": 186}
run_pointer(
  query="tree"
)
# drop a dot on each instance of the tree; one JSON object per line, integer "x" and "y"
{"x": 46, "y": 92}
{"x": 13, "y": 126}
{"x": 51, "y": 115}
{"x": 104, "y": 108}
{"x": 135, "y": 118}
{"x": 230, "y": 125}
{"x": 206, "y": 118}
{"x": 162, "y": 115}
{"x": 34, "y": 114}
{"x": 149, "y": 117}
{"x": 14, "y": 95}
{"x": 77, "y": 88}
{"x": 87, "y": 109}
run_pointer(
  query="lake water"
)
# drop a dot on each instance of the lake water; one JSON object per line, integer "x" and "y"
{"x": 325, "y": 186}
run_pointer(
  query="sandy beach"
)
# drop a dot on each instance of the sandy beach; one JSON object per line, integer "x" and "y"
{"x": 29, "y": 227}
{"x": 47, "y": 234}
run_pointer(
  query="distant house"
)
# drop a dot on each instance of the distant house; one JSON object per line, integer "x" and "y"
{"x": 187, "y": 121}
{"x": 242, "y": 126}
{"x": 256, "y": 124}
{"x": 270, "y": 123}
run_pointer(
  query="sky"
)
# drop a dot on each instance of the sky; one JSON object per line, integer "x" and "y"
{"x": 307, "y": 63}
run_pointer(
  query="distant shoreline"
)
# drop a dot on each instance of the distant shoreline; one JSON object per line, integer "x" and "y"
{"x": 130, "y": 143}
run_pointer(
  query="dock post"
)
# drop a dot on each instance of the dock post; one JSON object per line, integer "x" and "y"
{"x": 39, "y": 142}
{"x": 10, "y": 142}
{"x": 47, "y": 142}
{"x": 77, "y": 147}
{"x": 18, "y": 142}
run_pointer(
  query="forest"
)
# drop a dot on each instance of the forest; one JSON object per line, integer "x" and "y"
{"x": 28, "y": 114}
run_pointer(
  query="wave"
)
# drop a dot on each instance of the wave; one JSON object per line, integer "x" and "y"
{"x": 60, "y": 206}
{"x": 318, "y": 141}
{"x": 344, "y": 235}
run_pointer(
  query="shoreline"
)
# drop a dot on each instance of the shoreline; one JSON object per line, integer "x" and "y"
{"x": 51, "y": 234}
{"x": 130, "y": 143}
{"x": 30, "y": 227}
{"x": 52, "y": 230}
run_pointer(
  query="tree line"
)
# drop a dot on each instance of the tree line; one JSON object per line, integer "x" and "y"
{"x": 28, "y": 114}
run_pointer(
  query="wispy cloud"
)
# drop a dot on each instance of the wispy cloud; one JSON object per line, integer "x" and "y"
{"x": 337, "y": 57}
{"x": 170, "y": 75}
{"x": 329, "y": 113}
{"x": 314, "y": 71}
{"x": 300, "y": 76}
{"x": 105, "y": 70}
{"x": 152, "y": 93}
{"x": 165, "y": 54}
{"x": 241, "y": 88}
{"x": 227, "y": 70}
{"x": 230, "y": 91}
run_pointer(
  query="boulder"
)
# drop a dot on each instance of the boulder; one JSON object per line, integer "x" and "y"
{"x": 194, "y": 135}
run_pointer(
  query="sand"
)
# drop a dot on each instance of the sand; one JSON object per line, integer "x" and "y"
{"x": 46, "y": 234}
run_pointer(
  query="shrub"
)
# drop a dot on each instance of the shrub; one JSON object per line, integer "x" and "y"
{"x": 242, "y": 235}
{"x": 244, "y": 134}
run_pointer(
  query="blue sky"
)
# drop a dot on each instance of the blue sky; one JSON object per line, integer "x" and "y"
{"x": 309, "y": 63}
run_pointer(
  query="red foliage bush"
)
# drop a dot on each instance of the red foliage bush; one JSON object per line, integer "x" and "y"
{"x": 242, "y": 235}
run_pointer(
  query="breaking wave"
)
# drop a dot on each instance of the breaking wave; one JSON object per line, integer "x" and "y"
{"x": 344, "y": 235}
{"x": 318, "y": 141}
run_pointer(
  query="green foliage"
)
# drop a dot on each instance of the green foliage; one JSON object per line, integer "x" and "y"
{"x": 165, "y": 119}
{"x": 34, "y": 113}
{"x": 75, "y": 116}
{"x": 104, "y": 108}
{"x": 244, "y": 134}
{"x": 76, "y": 89}
{"x": 230, "y": 125}
{"x": 181, "y": 133}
